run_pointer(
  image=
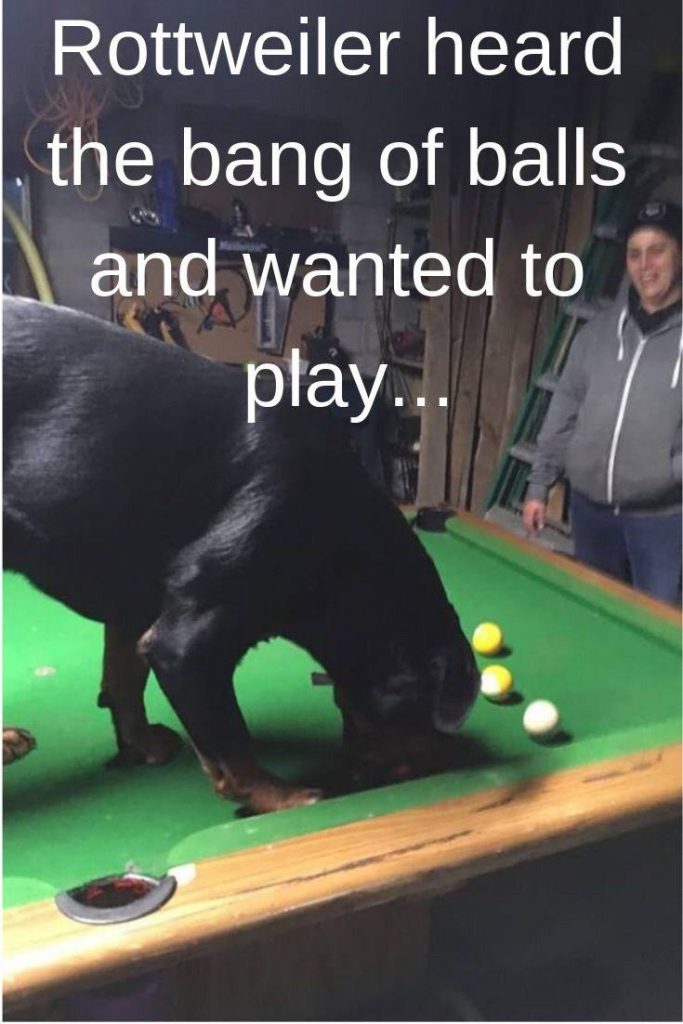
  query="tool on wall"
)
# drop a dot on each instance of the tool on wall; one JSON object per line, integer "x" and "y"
{"x": 143, "y": 216}
{"x": 156, "y": 321}
{"x": 231, "y": 303}
{"x": 58, "y": 105}
{"x": 273, "y": 313}
{"x": 30, "y": 252}
{"x": 321, "y": 347}
{"x": 241, "y": 225}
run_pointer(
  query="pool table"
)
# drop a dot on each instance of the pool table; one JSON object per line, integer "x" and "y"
{"x": 324, "y": 906}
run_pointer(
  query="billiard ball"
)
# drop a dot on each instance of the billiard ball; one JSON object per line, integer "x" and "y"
{"x": 541, "y": 719}
{"x": 496, "y": 682}
{"x": 487, "y": 638}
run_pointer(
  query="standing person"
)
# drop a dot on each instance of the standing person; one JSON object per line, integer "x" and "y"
{"x": 614, "y": 423}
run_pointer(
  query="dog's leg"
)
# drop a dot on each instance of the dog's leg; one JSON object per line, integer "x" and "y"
{"x": 221, "y": 593}
{"x": 122, "y": 691}
{"x": 193, "y": 668}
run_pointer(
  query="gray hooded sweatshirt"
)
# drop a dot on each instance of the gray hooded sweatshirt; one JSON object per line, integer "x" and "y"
{"x": 613, "y": 427}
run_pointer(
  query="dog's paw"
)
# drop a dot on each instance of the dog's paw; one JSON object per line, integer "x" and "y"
{"x": 240, "y": 778}
{"x": 16, "y": 743}
{"x": 270, "y": 797}
{"x": 158, "y": 746}
{"x": 161, "y": 744}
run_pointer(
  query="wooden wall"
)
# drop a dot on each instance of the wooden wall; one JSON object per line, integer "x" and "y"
{"x": 487, "y": 347}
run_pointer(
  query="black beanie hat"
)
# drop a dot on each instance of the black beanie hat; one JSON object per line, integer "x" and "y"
{"x": 658, "y": 214}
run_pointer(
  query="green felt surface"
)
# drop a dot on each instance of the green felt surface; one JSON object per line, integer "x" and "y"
{"x": 612, "y": 668}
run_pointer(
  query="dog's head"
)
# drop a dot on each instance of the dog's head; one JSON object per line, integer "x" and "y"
{"x": 406, "y": 703}
{"x": 435, "y": 688}
{"x": 403, "y": 669}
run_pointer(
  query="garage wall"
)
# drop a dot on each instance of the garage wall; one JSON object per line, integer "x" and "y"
{"x": 70, "y": 232}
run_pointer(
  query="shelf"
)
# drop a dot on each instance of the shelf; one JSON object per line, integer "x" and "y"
{"x": 406, "y": 283}
{"x": 179, "y": 243}
{"x": 412, "y": 208}
{"x": 402, "y": 452}
{"x": 416, "y": 365}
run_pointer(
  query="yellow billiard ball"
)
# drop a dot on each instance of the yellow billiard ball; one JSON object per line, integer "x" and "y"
{"x": 496, "y": 682}
{"x": 487, "y": 638}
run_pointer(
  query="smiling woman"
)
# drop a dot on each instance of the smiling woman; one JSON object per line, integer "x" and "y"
{"x": 614, "y": 424}
{"x": 653, "y": 257}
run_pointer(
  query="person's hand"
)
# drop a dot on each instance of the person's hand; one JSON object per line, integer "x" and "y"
{"x": 533, "y": 515}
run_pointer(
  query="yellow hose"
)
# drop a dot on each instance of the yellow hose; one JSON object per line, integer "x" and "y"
{"x": 31, "y": 254}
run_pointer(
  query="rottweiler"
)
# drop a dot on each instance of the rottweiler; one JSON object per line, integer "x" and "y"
{"x": 136, "y": 493}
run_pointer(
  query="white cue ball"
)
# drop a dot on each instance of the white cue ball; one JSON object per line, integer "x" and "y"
{"x": 541, "y": 719}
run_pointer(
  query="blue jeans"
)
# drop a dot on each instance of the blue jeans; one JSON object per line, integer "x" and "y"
{"x": 644, "y": 550}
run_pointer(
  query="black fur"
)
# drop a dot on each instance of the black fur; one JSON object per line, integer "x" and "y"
{"x": 136, "y": 493}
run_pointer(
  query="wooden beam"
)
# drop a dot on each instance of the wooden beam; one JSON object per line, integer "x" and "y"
{"x": 531, "y": 215}
{"x": 431, "y": 482}
{"x": 466, "y": 209}
{"x": 466, "y": 402}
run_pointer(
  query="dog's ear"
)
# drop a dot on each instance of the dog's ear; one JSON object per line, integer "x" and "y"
{"x": 400, "y": 693}
{"x": 456, "y": 684}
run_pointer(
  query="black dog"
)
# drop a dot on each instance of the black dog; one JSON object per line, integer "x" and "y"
{"x": 137, "y": 494}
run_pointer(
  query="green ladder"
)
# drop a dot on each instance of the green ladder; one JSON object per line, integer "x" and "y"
{"x": 646, "y": 164}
